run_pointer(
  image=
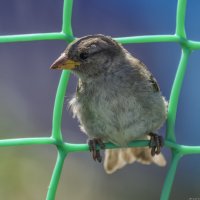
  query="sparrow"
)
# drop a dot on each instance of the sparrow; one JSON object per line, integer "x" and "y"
{"x": 117, "y": 100}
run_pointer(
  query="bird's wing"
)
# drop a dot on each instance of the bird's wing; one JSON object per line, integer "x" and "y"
{"x": 154, "y": 83}
{"x": 151, "y": 78}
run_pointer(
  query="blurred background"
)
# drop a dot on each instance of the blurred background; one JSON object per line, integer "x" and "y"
{"x": 28, "y": 88}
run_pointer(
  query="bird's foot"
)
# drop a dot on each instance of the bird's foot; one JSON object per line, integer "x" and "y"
{"x": 156, "y": 142}
{"x": 94, "y": 146}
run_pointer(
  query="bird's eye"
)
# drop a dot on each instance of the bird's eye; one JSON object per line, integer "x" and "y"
{"x": 84, "y": 55}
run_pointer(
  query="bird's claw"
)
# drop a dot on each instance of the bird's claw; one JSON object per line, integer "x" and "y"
{"x": 156, "y": 142}
{"x": 94, "y": 146}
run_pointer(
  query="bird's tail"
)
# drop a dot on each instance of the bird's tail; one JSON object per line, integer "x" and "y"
{"x": 117, "y": 158}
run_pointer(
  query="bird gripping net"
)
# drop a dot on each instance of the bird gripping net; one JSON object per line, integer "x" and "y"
{"x": 63, "y": 148}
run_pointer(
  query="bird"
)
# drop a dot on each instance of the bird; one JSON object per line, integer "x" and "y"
{"x": 117, "y": 100}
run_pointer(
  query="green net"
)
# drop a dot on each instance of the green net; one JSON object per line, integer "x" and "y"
{"x": 56, "y": 139}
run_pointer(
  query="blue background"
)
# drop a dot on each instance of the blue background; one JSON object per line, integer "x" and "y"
{"x": 28, "y": 87}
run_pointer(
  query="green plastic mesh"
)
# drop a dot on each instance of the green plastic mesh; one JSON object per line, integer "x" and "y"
{"x": 63, "y": 147}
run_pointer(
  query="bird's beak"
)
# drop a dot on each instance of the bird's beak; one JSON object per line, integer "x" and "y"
{"x": 64, "y": 63}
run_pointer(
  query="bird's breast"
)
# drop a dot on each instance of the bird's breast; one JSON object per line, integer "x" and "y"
{"x": 118, "y": 116}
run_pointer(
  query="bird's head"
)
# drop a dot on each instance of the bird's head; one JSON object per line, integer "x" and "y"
{"x": 90, "y": 56}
